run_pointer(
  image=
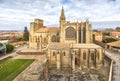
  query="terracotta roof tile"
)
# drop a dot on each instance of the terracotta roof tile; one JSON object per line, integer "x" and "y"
{"x": 52, "y": 29}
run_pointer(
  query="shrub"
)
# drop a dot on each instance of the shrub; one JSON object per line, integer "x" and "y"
{"x": 1, "y": 44}
{"x": 107, "y": 40}
{"x": 9, "y": 48}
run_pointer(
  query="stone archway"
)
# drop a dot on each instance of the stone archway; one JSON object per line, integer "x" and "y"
{"x": 54, "y": 38}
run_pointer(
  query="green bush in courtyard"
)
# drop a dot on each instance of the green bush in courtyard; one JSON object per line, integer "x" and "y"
{"x": 10, "y": 48}
{"x": 1, "y": 44}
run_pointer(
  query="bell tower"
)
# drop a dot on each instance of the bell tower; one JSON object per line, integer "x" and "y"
{"x": 62, "y": 16}
{"x": 62, "y": 24}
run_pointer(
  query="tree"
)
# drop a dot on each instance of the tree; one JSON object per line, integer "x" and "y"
{"x": 107, "y": 40}
{"x": 106, "y": 33}
{"x": 118, "y": 29}
{"x": 26, "y": 34}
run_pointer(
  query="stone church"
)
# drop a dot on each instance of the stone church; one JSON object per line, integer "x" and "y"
{"x": 68, "y": 46}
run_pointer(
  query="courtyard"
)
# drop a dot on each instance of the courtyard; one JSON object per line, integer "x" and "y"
{"x": 34, "y": 70}
{"x": 79, "y": 75}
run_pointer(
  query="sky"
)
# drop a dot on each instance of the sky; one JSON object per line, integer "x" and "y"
{"x": 16, "y": 14}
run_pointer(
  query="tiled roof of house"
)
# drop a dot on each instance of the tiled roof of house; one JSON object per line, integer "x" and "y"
{"x": 59, "y": 46}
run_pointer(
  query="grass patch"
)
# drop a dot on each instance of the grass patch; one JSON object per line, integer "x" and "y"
{"x": 12, "y": 67}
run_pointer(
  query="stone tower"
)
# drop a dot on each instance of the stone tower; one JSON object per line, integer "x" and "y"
{"x": 62, "y": 23}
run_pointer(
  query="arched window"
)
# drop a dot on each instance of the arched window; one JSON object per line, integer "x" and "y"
{"x": 63, "y": 53}
{"x": 84, "y": 55}
{"x": 70, "y": 33}
{"x": 92, "y": 56}
{"x": 54, "y": 38}
{"x": 53, "y": 53}
{"x": 38, "y": 38}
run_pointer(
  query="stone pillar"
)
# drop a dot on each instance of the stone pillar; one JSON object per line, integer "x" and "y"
{"x": 73, "y": 62}
{"x": 40, "y": 43}
{"x": 77, "y": 36}
{"x": 88, "y": 58}
{"x": 49, "y": 60}
{"x": 101, "y": 54}
{"x": 58, "y": 61}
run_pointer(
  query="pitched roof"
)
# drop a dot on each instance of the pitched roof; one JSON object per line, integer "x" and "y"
{"x": 52, "y": 29}
{"x": 115, "y": 44}
{"x": 59, "y": 46}
{"x": 86, "y": 45}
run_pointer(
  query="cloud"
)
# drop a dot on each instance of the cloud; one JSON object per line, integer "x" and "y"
{"x": 16, "y": 14}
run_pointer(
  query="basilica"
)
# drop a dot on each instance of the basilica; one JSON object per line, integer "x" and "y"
{"x": 70, "y": 45}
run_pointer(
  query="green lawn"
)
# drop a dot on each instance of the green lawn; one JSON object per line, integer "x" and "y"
{"x": 12, "y": 67}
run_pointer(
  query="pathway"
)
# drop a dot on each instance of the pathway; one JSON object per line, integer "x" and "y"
{"x": 116, "y": 67}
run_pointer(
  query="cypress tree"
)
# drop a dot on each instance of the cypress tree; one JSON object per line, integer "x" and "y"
{"x": 26, "y": 34}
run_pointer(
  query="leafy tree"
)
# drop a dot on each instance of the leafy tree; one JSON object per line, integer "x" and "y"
{"x": 10, "y": 48}
{"x": 106, "y": 33}
{"x": 25, "y": 35}
{"x": 118, "y": 29}
{"x": 107, "y": 40}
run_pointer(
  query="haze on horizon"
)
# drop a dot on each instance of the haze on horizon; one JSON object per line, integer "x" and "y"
{"x": 16, "y": 14}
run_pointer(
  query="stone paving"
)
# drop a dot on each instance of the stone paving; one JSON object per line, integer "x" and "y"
{"x": 76, "y": 76}
{"x": 116, "y": 67}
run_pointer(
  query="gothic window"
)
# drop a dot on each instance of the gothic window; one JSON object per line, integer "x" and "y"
{"x": 53, "y": 39}
{"x": 84, "y": 55}
{"x": 92, "y": 56}
{"x": 38, "y": 38}
{"x": 63, "y": 53}
{"x": 84, "y": 35}
{"x": 45, "y": 40}
{"x": 70, "y": 33}
{"x": 53, "y": 53}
